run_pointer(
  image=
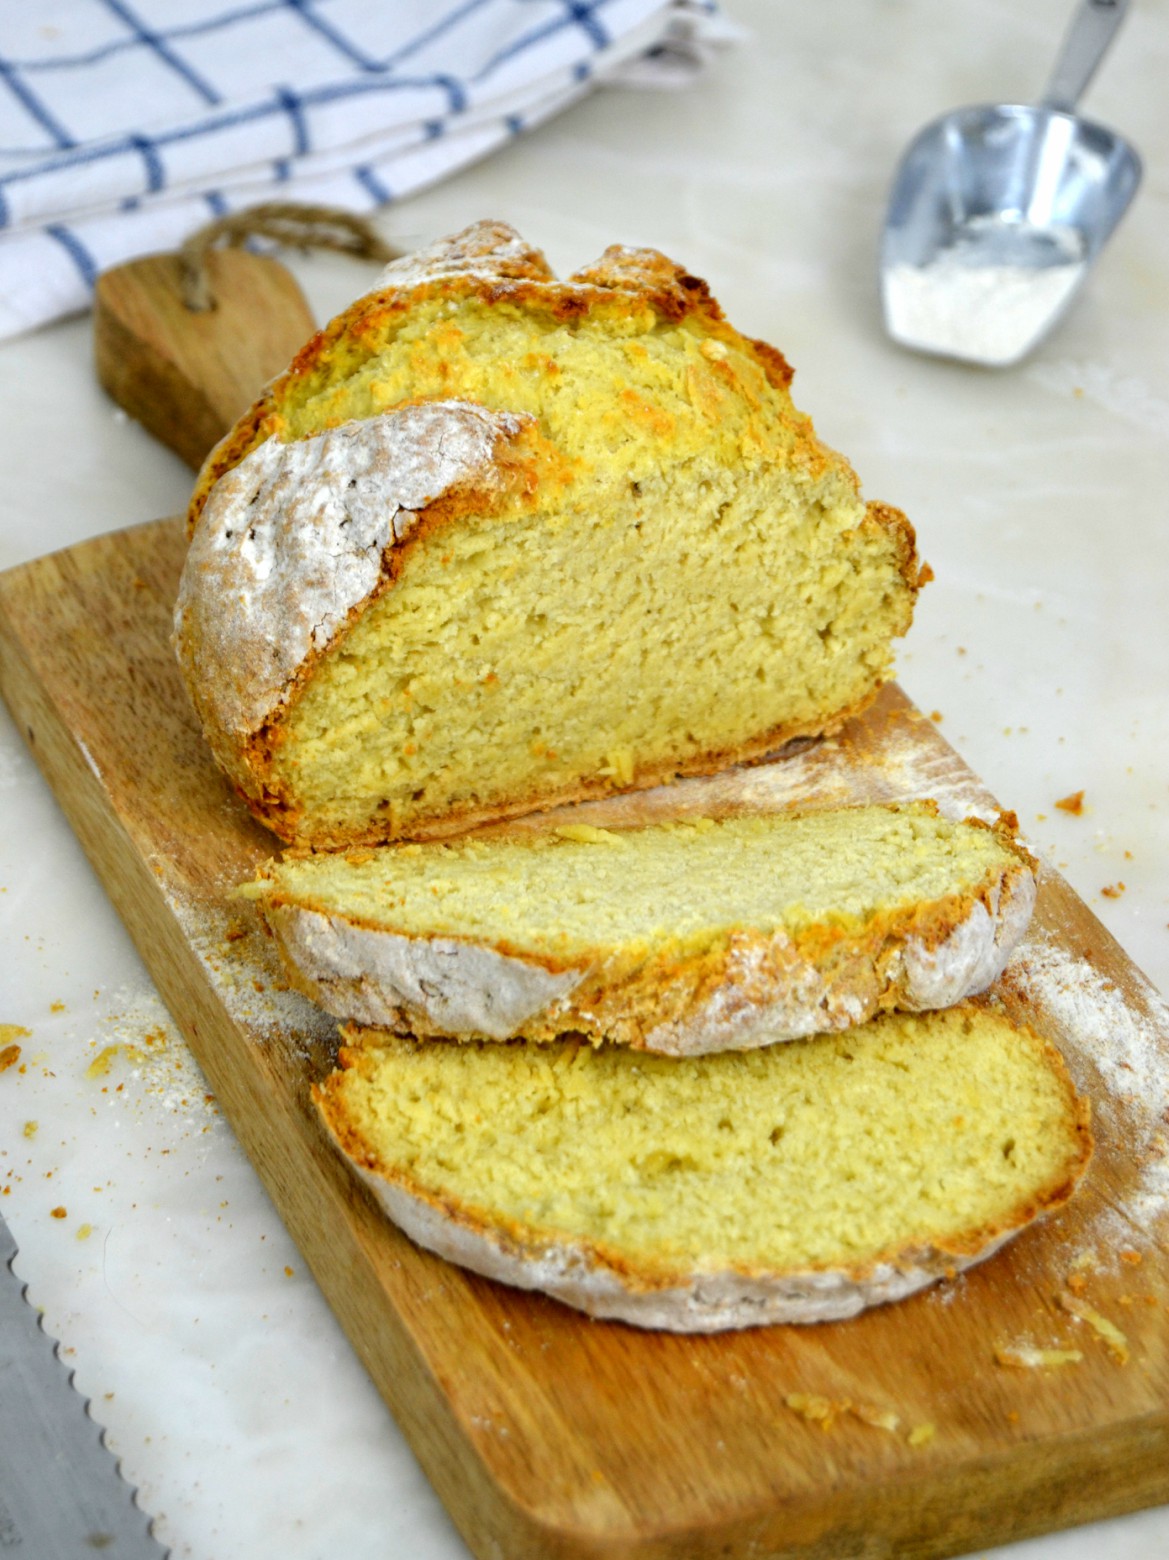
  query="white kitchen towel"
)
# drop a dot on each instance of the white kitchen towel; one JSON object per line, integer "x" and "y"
{"x": 126, "y": 124}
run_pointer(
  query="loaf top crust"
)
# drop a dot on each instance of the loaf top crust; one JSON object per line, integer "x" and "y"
{"x": 488, "y": 261}
{"x": 320, "y": 516}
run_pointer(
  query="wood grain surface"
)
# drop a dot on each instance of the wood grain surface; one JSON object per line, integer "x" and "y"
{"x": 186, "y": 375}
{"x": 548, "y": 1435}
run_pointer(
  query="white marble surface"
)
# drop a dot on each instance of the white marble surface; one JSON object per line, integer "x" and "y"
{"x": 1039, "y": 497}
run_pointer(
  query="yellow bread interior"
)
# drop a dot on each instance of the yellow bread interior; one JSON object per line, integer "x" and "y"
{"x": 689, "y": 578}
{"x": 582, "y": 893}
{"x": 939, "y": 1130}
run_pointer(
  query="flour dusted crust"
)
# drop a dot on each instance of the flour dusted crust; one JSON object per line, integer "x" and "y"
{"x": 759, "y": 989}
{"x": 701, "y": 1302}
{"x": 299, "y": 538}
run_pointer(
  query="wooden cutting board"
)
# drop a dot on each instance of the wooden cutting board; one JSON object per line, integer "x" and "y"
{"x": 550, "y": 1435}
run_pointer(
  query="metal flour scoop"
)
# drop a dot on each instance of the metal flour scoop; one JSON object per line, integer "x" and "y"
{"x": 998, "y": 212}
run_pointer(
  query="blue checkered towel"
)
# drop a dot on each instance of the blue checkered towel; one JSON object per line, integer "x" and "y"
{"x": 126, "y": 124}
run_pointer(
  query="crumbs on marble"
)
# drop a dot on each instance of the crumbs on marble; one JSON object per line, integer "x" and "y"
{"x": 1113, "y": 890}
{"x": 9, "y": 1049}
{"x": 1073, "y": 804}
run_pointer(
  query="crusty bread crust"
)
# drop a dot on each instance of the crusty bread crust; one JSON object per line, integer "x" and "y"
{"x": 756, "y": 988}
{"x": 608, "y": 1283}
{"x": 251, "y": 628}
{"x": 491, "y": 262}
{"x": 329, "y": 522}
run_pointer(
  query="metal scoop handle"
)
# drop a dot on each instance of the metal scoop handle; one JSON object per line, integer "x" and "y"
{"x": 1093, "y": 28}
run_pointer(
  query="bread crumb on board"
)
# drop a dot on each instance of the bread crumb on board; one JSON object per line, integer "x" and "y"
{"x": 825, "y": 1411}
{"x": 1029, "y": 1356}
{"x": 1111, "y": 1335}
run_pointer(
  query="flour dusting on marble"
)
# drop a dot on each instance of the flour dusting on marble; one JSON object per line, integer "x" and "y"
{"x": 136, "y": 1038}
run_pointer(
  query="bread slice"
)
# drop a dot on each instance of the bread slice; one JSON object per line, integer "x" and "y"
{"x": 795, "y": 1183}
{"x": 682, "y": 938}
{"x": 496, "y": 541}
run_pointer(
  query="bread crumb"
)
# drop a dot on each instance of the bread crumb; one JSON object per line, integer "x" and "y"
{"x": 9, "y": 1050}
{"x": 820, "y": 1410}
{"x": 587, "y": 834}
{"x": 103, "y": 1061}
{"x": 1112, "y": 890}
{"x": 56, "y": 1007}
{"x": 30, "y": 1129}
{"x": 936, "y": 717}
{"x": 879, "y": 1418}
{"x": 1073, "y": 804}
{"x": 1026, "y": 1356}
{"x": 58, "y": 1213}
{"x": 921, "y": 1435}
{"x": 825, "y": 1411}
{"x": 84, "y": 1231}
{"x": 1114, "y": 1340}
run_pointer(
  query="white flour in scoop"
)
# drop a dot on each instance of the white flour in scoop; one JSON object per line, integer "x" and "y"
{"x": 985, "y": 313}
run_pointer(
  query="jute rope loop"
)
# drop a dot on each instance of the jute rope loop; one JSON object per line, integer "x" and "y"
{"x": 299, "y": 227}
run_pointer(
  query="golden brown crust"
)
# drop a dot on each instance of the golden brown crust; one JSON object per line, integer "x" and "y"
{"x": 625, "y": 282}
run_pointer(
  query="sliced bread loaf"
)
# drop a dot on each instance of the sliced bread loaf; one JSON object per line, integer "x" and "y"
{"x": 496, "y": 540}
{"x": 795, "y": 1183}
{"x": 682, "y": 938}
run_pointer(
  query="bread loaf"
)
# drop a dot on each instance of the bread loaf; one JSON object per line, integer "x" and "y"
{"x": 681, "y": 938}
{"x": 496, "y": 541}
{"x": 794, "y": 1183}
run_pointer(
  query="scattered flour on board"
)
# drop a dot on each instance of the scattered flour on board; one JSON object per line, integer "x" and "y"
{"x": 246, "y": 972}
{"x": 1117, "y": 1049}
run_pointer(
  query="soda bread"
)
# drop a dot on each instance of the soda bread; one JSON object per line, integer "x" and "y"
{"x": 496, "y": 541}
{"x": 681, "y": 938}
{"x": 794, "y": 1183}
